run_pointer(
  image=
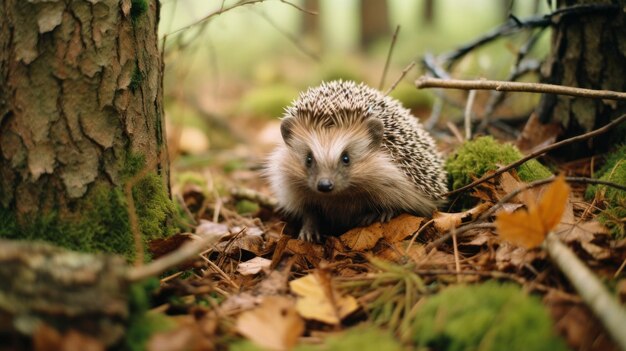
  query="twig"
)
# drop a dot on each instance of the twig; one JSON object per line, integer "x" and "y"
{"x": 417, "y": 233}
{"x": 541, "y": 151}
{"x": 292, "y": 38}
{"x": 604, "y": 306}
{"x": 468, "y": 114}
{"x": 483, "y": 84}
{"x": 460, "y": 230}
{"x": 184, "y": 253}
{"x": 402, "y": 75}
{"x": 540, "y": 182}
{"x": 455, "y": 248}
{"x": 215, "y": 13}
{"x": 381, "y": 85}
{"x": 514, "y": 25}
{"x": 307, "y": 11}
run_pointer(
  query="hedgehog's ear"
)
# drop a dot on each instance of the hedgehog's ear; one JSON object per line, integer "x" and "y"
{"x": 285, "y": 129}
{"x": 375, "y": 128}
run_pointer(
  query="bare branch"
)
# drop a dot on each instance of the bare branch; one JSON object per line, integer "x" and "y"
{"x": 468, "y": 114}
{"x": 590, "y": 288}
{"x": 381, "y": 85}
{"x": 173, "y": 259}
{"x": 483, "y": 84}
{"x": 402, "y": 75}
{"x": 310, "y": 12}
{"x": 541, "y": 151}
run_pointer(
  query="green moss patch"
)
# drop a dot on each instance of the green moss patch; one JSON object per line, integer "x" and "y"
{"x": 475, "y": 158}
{"x": 489, "y": 316}
{"x": 100, "y": 222}
{"x": 138, "y": 8}
{"x": 143, "y": 323}
{"x": 614, "y": 170}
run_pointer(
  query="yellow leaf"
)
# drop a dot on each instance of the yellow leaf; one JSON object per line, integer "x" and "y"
{"x": 316, "y": 302}
{"x": 528, "y": 228}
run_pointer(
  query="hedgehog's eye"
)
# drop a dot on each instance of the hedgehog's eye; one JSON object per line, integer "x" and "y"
{"x": 345, "y": 158}
{"x": 309, "y": 159}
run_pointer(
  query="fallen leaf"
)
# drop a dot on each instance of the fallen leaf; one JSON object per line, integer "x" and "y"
{"x": 509, "y": 183}
{"x": 444, "y": 221}
{"x": 362, "y": 238}
{"x": 401, "y": 227}
{"x": 319, "y": 301}
{"x": 528, "y": 228}
{"x": 208, "y": 228}
{"x": 187, "y": 335}
{"x": 253, "y": 266}
{"x": 47, "y": 338}
{"x": 274, "y": 324}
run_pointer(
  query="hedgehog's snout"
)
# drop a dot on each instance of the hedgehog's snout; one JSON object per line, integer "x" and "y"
{"x": 325, "y": 185}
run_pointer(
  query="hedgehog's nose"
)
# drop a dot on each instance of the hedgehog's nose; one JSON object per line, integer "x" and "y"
{"x": 325, "y": 185}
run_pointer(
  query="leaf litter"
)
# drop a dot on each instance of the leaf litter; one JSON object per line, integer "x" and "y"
{"x": 261, "y": 283}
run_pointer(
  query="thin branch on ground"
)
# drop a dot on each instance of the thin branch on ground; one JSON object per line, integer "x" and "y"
{"x": 468, "y": 114}
{"x": 459, "y": 231}
{"x": 591, "y": 289}
{"x": 508, "y": 197}
{"x": 540, "y": 152}
{"x": 483, "y": 84}
{"x": 402, "y": 75}
{"x": 254, "y": 196}
{"x": 381, "y": 85}
{"x": 184, "y": 253}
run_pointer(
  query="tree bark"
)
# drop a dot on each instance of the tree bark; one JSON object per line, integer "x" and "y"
{"x": 80, "y": 105}
{"x": 374, "y": 21}
{"x": 588, "y": 51}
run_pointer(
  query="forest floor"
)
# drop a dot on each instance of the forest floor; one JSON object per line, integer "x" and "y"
{"x": 380, "y": 282}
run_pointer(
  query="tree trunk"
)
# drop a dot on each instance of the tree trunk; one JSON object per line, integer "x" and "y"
{"x": 80, "y": 116}
{"x": 374, "y": 21}
{"x": 588, "y": 51}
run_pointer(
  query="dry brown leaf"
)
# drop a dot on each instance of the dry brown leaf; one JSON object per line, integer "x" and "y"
{"x": 317, "y": 301}
{"x": 253, "y": 266}
{"x": 186, "y": 336}
{"x": 401, "y": 227}
{"x": 274, "y": 325}
{"x": 47, "y": 338}
{"x": 529, "y": 228}
{"x": 509, "y": 184}
{"x": 362, "y": 238}
{"x": 444, "y": 221}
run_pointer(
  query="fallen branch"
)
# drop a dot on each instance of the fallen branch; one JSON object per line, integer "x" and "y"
{"x": 539, "y": 152}
{"x": 173, "y": 259}
{"x": 604, "y": 306}
{"x": 483, "y": 84}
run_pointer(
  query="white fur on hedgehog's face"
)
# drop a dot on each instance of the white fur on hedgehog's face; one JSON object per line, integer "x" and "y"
{"x": 326, "y": 159}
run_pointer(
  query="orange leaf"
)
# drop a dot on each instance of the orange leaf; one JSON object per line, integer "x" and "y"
{"x": 521, "y": 228}
{"x": 529, "y": 228}
{"x": 553, "y": 203}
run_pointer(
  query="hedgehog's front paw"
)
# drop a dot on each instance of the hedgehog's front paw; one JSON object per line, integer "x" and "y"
{"x": 309, "y": 232}
{"x": 377, "y": 217}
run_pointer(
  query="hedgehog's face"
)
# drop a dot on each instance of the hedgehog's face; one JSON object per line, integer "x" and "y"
{"x": 327, "y": 157}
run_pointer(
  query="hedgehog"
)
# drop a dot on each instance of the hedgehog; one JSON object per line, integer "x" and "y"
{"x": 352, "y": 156}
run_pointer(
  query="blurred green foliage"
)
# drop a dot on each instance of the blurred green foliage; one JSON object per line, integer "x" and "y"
{"x": 614, "y": 170}
{"x": 488, "y": 316}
